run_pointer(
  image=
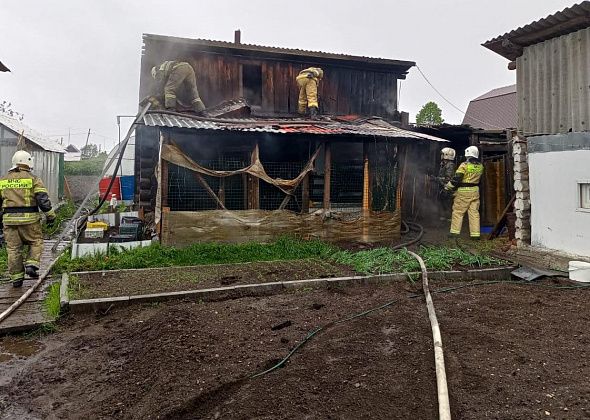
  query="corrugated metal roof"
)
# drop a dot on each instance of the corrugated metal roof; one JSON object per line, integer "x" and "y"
{"x": 253, "y": 48}
{"x": 494, "y": 110}
{"x": 367, "y": 127}
{"x": 18, "y": 127}
{"x": 571, "y": 19}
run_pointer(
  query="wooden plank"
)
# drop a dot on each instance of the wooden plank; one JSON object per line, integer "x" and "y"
{"x": 305, "y": 195}
{"x": 502, "y": 221}
{"x": 344, "y": 80}
{"x": 281, "y": 85}
{"x": 327, "y": 174}
{"x": 366, "y": 184}
{"x": 254, "y": 182}
{"x": 329, "y": 89}
{"x": 268, "y": 87}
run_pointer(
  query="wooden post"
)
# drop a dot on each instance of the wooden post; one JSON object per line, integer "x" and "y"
{"x": 305, "y": 195}
{"x": 254, "y": 193}
{"x": 211, "y": 193}
{"x": 164, "y": 183}
{"x": 327, "y": 174}
{"x": 366, "y": 183}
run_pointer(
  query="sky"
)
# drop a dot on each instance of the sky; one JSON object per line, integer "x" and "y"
{"x": 75, "y": 63}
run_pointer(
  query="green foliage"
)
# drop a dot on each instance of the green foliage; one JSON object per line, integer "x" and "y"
{"x": 430, "y": 114}
{"x": 92, "y": 166}
{"x": 52, "y": 300}
{"x": 64, "y": 212}
{"x": 156, "y": 255}
{"x": 89, "y": 151}
{"x": 3, "y": 261}
{"x": 384, "y": 260}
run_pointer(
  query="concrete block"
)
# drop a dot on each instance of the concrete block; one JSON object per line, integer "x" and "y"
{"x": 522, "y": 204}
{"x": 521, "y": 185}
{"x": 523, "y": 235}
{"x": 523, "y": 214}
{"x": 521, "y": 176}
{"x": 521, "y": 166}
{"x": 523, "y": 224}
{"x": 523, "y": 195}
{"x": 520, "y": 158}
{"x": 519, "y": 148}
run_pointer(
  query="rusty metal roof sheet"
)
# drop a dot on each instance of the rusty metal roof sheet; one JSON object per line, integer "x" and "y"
{"x": 494, "y": 110}
{"x": 401, "y": 66}
{"x": 571, "y": 19}
{"x": 346, "y": 126}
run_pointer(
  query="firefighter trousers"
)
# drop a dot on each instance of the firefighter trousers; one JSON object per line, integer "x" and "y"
{"x": 182, "y": 74}
{"x": 16, "y": 237}
{"x": 466, "y": 201}
{"x": 308, "y": 93}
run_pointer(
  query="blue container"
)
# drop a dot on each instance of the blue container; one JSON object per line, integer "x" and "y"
{"x": 484, "y": 229}
{"x": 128, "y": 187}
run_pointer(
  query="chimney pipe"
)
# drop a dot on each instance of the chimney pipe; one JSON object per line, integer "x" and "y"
{"x": 237, "y": 36}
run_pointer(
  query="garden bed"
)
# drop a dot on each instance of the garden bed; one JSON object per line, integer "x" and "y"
{"x": 186, "y": 360}
{"x": 89, "y": 285}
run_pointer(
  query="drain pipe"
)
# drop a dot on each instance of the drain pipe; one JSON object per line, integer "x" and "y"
{"x": 444, "y": 407}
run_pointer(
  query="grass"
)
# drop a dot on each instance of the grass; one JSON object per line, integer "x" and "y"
{"x": 156, "y": 255}
{"x": 64, "y": 212}
{"x": 93, "y": 166}
{"x": 3, "y": 261}
{"x": 52, "y": 300}
{"x": 375, "y": 261}
{"x": 384, "y": 260}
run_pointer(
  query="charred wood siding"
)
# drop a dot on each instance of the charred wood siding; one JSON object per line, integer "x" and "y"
{"x": 343, "y": 91}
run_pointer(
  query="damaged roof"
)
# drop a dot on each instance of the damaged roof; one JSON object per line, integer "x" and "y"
{"x": 496, "y": 109}
{"x": 33, "y": 136}
{"x": 571, "y": 19}
{"x": 3, "y": 67}
{"x": 341, "y": 125}
{"x": 398, "y": 66}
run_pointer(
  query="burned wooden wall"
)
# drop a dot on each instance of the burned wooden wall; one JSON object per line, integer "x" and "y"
{"x": 345, "y": 89}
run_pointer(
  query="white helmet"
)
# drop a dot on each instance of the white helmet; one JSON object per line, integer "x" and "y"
{"x": 154, "y": 72}
{"x": 447, "y": 153}
{"x": 22, "y": 158}
{"x": 472, "y": 151}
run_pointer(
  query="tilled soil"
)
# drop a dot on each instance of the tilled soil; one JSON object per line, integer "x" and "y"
{"x": 512, "y": 352}
{"x": 172, "y": 279}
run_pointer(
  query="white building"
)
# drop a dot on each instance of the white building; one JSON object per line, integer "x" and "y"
{"x": 551, "y": 57}
{"x": 73, "y": 154}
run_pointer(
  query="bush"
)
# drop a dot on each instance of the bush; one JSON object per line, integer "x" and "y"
{"x": 93, "y": 166}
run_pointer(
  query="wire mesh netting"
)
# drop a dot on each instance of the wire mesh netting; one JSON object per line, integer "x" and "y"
{"x": 270, "y": 196}
{"x": 186, "y": 193}
{"x": 346, "y": 185}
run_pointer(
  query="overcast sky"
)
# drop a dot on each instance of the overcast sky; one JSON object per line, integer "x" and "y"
{"x": 75, "y": 64}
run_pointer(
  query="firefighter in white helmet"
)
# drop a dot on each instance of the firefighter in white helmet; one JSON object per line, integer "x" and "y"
{"x": 22, "y": 195}
{"x": 445, "y": 174}
{"x": 466, "y": 182}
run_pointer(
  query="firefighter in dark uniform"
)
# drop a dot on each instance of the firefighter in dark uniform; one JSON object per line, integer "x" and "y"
{"x": 445, "y": 174}
{"x": 22, "y": 195}
{"x": 174, "y": 79}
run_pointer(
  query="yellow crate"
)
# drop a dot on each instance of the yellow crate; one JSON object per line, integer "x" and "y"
{"x": 96, "y": 225}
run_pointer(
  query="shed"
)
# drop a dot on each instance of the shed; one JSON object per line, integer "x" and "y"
{"x": 494, "y": 110}
{"x": 552, "y": 148}
{"x": 73, "y": 154}
{"x": 47, "y": 154}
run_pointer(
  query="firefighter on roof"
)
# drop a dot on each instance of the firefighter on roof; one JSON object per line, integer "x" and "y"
{"x": 22, "y": 195}
{"x": 308, "y": 81}
{"x": 174, "y": 79}
{"x": 466, "y": 182}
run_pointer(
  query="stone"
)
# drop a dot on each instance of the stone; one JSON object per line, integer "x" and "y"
{"x": 522, "y": 214}
{"x": 521, "y": 185}
{"x": 519, "y": 148}
{"x": 520, "y": 158}
{"x": 522, "y": 204}
{"x": 523, "y": 195}
{"x": 521, "y": 176}
{"x": 523, "y": 224}
{"x": 522, "y": 234}
{"x": 521, "y": 166}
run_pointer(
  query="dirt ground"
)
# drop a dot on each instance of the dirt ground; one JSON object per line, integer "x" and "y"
{"x": 512, "y": 352}
{"x": 171, "y": 279}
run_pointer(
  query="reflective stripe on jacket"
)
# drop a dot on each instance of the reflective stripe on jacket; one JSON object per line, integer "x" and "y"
{"x": 468, "y": 175}
{"x": 21, "y": 189}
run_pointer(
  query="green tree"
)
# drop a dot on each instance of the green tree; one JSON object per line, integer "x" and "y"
{"x": 89, "y": 151}
{"x": 430, "y": 114}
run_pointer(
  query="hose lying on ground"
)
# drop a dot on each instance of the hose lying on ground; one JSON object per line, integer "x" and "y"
{"x": 406, "y": 228}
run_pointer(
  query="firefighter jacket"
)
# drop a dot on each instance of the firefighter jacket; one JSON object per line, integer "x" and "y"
{"x": 314, "y": 72}
{"x": 22, "y": 195}
{"x": 446, "y": 171}
{"x": 467, "y": 176}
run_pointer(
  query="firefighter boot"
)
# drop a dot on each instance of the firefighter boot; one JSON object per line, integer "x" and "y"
{"x": 313, "y": 112}
{"x": 32, "y": 271}
{"x": 17, "y": 283}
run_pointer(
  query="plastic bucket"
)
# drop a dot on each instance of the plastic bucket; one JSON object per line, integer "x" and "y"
{"x": 103, "y": 185}
{"x": 128, "y": 187}
{"x": 579, "y": 271}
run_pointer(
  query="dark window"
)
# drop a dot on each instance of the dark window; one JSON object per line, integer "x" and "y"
{"x": 252, "y": 82}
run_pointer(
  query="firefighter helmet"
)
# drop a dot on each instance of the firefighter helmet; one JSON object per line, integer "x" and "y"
{"x": 472, "y": 151}
{"x": 447, "y": 153}
{"x": 22, "y": 158}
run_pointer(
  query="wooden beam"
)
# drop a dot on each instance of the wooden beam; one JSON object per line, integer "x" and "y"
{"x": 366, "y": 183}
{"x": 205, "y": 185}
{"x": 254, "y": 182}
{"x": 164, "y": 183}
{"x": 221, "y": 191}
{"x": 305, "y": 195}
{"x": 327, "y": 174}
